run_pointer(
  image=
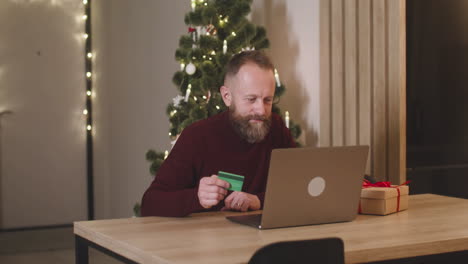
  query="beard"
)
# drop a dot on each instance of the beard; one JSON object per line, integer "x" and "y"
{"x": 251, "y": 132}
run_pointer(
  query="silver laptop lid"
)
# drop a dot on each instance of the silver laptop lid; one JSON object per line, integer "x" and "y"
{"x": 313, "y": 185}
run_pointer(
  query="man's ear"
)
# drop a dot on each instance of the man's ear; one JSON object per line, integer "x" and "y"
{"x": 226, "y": 95}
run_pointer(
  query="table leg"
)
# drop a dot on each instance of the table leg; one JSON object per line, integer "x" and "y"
{"x": 81, "y": 250}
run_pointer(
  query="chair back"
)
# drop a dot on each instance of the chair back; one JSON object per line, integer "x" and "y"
{"x": 326, "y": 251}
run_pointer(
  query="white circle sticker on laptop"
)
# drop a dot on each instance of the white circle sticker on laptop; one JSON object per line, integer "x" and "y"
{"x": 316, "y": 186}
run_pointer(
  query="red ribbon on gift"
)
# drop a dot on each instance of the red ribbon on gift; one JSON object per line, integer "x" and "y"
{"x": 367, "y": 184}
{"x": 191, "y": 29}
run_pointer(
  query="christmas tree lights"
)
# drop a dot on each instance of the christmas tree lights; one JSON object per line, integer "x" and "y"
{"x": 217, "y": 29}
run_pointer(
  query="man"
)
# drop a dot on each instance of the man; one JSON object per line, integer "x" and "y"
{"x": 237, "y": 141}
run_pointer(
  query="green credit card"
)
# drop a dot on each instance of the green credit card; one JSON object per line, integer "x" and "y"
{"x": 235, "y": 180}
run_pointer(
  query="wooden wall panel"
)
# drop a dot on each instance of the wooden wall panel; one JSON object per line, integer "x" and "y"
{"x": 325, "y": 63}
{"x": 350, "y": 81}
{"x": 363, "y": 81}
{"x": 379, "y": 86}
{"x": 364, "y": 46}
{"x": 337, "y": 72}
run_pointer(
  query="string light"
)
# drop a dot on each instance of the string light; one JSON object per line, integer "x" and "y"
{"x": 187, "y": 93}
{"x": 217, "y": 107}
{"x": 88, "y": 110}
{"x": 170, "y": 134}
{"x": 286, "y": 119}
{"x": 182, "y": 66}
{"x": 224, "y": 46}
{"x": 195, "y": 98}
{"x": 233, "y": 33}
{"x": 278, "y": 83}
{"x": 166, "y": 153}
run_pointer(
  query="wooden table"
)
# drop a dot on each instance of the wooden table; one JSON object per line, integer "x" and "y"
{"x": 432, "y": 225}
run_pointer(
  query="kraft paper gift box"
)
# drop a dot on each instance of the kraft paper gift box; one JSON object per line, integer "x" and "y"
{"x": 384, "y": 200}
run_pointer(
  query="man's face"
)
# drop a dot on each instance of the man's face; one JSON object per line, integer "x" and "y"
{"x": 250, "y": 98}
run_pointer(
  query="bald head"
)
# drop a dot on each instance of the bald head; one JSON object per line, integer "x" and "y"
{"x": 255, "y": 57}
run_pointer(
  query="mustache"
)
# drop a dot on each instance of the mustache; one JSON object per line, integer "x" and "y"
{"x": 256, "y": 117}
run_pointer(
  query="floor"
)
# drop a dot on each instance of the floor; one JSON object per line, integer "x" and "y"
{"x": 51, "y": 246}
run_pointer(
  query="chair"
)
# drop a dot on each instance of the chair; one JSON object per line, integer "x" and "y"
{"x": 326, "y": 250}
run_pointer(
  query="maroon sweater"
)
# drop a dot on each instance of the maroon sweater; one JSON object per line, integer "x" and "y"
{"x": 203, "y": 149}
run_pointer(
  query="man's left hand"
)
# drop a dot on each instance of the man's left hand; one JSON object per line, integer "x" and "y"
{"x": 241, "y": 201}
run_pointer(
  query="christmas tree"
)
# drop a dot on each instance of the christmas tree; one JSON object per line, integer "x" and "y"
{"x": 217, "y": 29}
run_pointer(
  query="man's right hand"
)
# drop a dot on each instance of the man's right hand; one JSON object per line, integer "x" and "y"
{"x": 211, "y": 191}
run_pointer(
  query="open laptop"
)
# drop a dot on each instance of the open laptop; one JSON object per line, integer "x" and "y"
{"x": 308, "y": 186}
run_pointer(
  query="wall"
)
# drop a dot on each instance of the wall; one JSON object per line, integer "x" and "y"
{"x": 42, "y": 143}
{"x": 294, "y": 32}
{"x": 135, "y": 43}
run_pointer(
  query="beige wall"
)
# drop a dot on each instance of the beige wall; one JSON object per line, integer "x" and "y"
{"x": 134, "y": 43}
{"x": 43, "y": 142}
{"x": 293, "y": 30}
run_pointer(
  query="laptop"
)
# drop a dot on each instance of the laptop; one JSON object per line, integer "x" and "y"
{"x": 309, "y": 186}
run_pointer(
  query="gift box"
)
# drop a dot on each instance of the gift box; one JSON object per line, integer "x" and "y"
{"x": 383, "y": 200}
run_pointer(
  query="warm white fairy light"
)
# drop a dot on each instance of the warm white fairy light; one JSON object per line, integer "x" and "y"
{"x": 85, "y": 36}
{"x": 85, "y": 112}
{"x": 88, "y": 93}
{"x": 195, "y": 98}
{"x": 85, "y": 17}
{"x": 286, "y": 119}
{"x": 187, "y": 93}
{"x": 204, "y": 97}
{"x": 88, "y": 127}
{"x": 234, "y": 34}
{"x": 217, "y": 107}
{"x": 278, "y": 83}
{"x": 166, "y": 153}
{"x": 182, "y": 66}
{"x": 213, "y": 52}
{"x": 193, "y": 5}
{"x": 89, "y": 55}
{"x": 170, "y": 134}
{"x": 205, "y": 4}
{"x": 204, "y": 56}
{"x": 173, "y": 113}
{"x": 224, "y": 46}
{"x": 85, "y": 2}
{"x": 88, "y": 74}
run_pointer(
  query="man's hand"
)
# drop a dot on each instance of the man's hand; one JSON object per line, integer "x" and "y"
{"x": 211, "y": 191}
{"x": 241, "y": 201}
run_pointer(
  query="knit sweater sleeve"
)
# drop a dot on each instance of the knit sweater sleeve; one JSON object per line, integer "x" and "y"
{"x": 174, "y": 190}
